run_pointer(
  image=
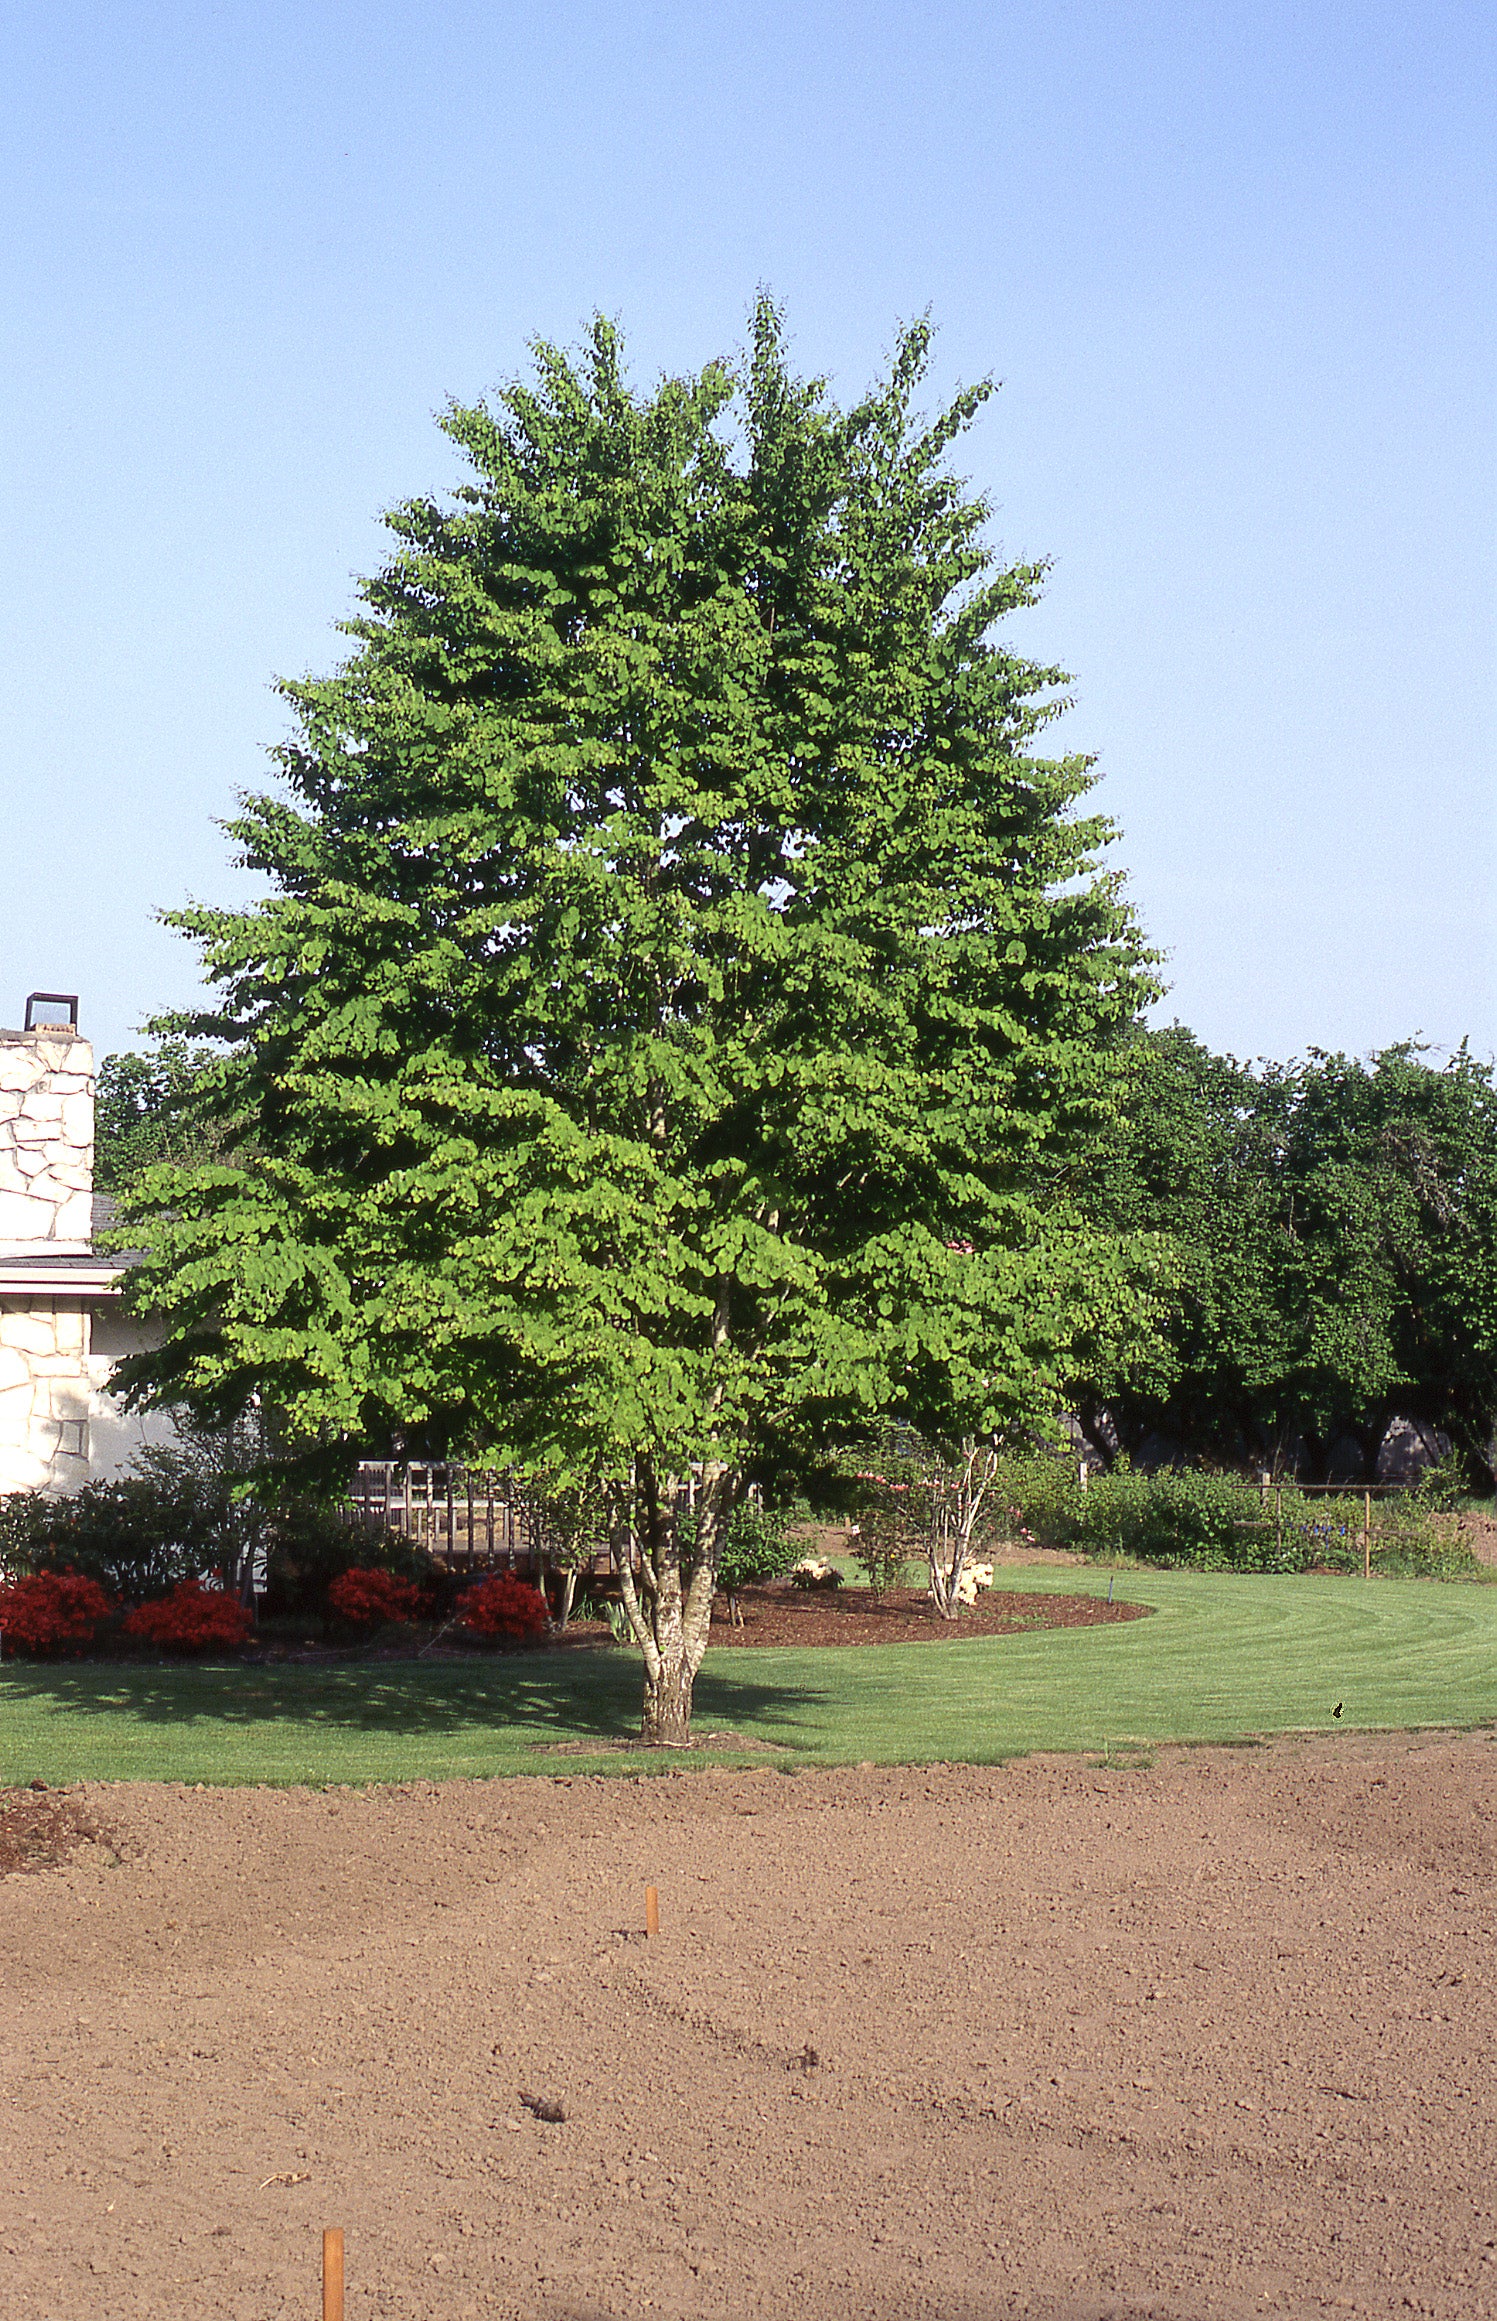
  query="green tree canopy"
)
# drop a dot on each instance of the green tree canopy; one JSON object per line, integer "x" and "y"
{"x": 679, "y": 977}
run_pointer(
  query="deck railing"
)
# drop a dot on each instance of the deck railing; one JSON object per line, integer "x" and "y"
{"x": 468, "y": 1518}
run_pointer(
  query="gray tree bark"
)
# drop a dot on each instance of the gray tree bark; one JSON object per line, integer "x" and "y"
{"x": 669, "y": 1602}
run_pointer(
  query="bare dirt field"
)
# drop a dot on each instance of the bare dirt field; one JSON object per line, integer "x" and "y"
{"x": 1209, "y": 2037}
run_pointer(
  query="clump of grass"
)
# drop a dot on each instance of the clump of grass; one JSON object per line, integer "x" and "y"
{"x": 1123, "y": 1756}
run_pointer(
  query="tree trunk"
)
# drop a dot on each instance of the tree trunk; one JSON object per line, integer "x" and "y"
{"x": 669, "y": 1623}
{"x": 945, "y": 1566}
{"x": 666, "y": 1723}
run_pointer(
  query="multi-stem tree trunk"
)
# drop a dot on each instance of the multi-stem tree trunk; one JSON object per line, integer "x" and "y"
{"x": 668, "y": 1592}
{"x": 957, "y": 1504}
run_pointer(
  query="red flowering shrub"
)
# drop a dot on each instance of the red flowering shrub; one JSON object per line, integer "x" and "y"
{"x": 190, "y": 1619}
{"x": 504, "y": 1606}
{"x": 53, "y": 1612}
{"x": 370, "y": 1597}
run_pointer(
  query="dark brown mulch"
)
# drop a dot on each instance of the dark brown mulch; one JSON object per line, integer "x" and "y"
{"x": 40, "y": 1828}
{"x": 788, "y": 1615}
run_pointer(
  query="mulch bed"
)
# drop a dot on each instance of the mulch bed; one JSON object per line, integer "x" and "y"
{"x": 904, "y": 1616}
{"x": 785, "y": 1615}
{"x": 41, "y": 1827}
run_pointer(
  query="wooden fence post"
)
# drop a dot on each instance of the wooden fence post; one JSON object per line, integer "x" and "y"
{"x": 1366, "y": 1535}
{"x": 332, "y": 2273}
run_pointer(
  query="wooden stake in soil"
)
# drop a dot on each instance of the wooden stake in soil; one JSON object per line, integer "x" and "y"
{"x": 652, "y": 1912}
{"x": 332, "y": 2273}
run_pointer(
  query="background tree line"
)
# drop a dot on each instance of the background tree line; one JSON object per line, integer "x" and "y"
{"x": 1329, "y": 1230}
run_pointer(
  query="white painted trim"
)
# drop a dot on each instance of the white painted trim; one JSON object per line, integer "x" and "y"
{"x": 75, "y": 1278}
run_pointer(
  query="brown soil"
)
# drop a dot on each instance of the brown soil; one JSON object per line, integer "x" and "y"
{"x": 1212, "y": 2037}
{"x": 1480, "y": 1534}
{"x": 791, "y": 1615}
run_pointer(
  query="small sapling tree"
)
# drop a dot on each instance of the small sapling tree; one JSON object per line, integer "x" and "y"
{"x": 570, "y": 1525}
{"x": 964, "y": 1480}
{"x": 894, "y": 1505}
{"x": 758, "y": 1547}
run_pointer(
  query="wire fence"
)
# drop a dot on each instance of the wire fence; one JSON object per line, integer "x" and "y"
{"x": 1360, "y": 1495}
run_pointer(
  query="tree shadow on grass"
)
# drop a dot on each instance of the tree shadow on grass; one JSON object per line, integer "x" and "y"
{"x": 598, "y": 1694}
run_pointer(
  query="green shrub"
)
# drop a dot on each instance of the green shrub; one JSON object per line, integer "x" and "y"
{"x": 758, "y": 1548}
{"x": 136, "y": 1536}
{"x": 893, "y": 1504}
{"x": 141, "y": 1534}
{"x": 1199, "y": 1521}
{"x": 1448, "y": 1558}
{"x": 1186, "y": 1517}
{"x": 1040, "y": 1498}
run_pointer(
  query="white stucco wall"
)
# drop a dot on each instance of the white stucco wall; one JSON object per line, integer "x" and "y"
{"x": 116, "y": 1436}
{"x": 60, "y": 1328}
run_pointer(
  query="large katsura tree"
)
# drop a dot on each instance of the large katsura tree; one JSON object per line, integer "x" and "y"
{"x": 681, "y": 990}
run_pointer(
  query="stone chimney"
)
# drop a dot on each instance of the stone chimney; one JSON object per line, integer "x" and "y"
{"x": 46, "y": 1142}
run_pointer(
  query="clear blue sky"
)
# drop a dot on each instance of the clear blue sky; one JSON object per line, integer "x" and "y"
{"x": 1233, "y": 264}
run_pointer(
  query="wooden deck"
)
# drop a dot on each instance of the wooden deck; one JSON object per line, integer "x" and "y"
{"x": 468, "y": 1519}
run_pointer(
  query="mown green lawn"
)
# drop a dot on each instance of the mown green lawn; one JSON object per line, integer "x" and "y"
{"x": 1221, "y": 1659}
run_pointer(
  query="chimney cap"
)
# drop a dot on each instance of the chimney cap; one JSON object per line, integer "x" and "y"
{"x": 35, "y": 999}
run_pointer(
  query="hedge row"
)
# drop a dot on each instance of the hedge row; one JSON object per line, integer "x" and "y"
{"x": 1200, "y": 1521}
